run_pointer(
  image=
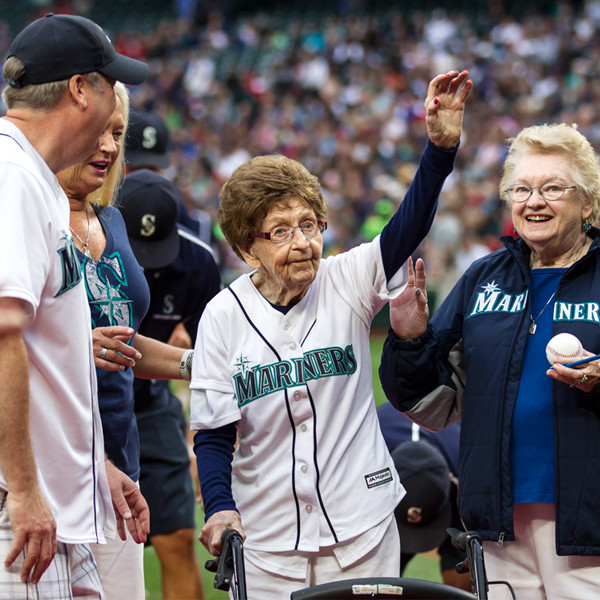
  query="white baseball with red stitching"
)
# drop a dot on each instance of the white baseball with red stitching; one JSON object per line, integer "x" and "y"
{"x": 564, "y": 348}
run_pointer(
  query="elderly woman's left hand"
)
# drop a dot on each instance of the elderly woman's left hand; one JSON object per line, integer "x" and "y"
{"x": 584, "y": 378}
{"x": 445, "y": 106}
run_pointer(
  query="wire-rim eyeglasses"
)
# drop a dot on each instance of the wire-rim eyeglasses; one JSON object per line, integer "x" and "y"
{"x": 550, "y": 191}
{"x": 285, "y": 233}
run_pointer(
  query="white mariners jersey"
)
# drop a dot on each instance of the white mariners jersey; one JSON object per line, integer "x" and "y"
{"x": 311, "y": 468}
{"x": 38, "y": 265}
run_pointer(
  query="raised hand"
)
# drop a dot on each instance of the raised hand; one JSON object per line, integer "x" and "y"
{"x": 445, "y": 106}
{"x": 409, "y": 312}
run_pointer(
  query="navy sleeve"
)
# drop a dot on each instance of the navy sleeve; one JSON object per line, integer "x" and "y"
{"x": 207, "y": 284}
{"x": 412, "y": 221}
{"x": 214, "y": 450}
{"x": 411, "y": 369}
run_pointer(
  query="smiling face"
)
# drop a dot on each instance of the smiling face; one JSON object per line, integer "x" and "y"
{"x": 285, "y": 271}
{"x": 553, "y": 230}
{"x": 88, "y": 176}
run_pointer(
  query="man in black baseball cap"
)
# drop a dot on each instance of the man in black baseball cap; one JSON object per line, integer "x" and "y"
{"x": 147, "y": 146}
{"x": 183, "y": 277}
{"x": 147, "y": 141}
{"x": 424, "y": 514}
{"x": 148, "y": 203}
{"x": 58, "y": 494}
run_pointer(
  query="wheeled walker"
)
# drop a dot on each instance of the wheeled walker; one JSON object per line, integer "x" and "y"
{"x": 230, "y": 575}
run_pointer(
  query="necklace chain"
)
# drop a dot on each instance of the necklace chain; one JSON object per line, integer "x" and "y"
{"x": 85, "y": 244}
{"x": 532, "y": 325}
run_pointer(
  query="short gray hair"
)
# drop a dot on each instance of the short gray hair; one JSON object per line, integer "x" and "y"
{"x": 562, "y": 139}
{"x": 41, "y": 96}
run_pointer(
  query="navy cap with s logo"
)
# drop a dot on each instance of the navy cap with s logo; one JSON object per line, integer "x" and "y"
{"x": 147, "y": 141}
{"x": 149, "y": 205}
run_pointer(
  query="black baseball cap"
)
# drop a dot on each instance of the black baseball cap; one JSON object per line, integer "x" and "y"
{"x": 56, "y": 47}
{"x": 424, "y": 513}
{"x": 149, "y": 205}
{"x": 147, "y": 141}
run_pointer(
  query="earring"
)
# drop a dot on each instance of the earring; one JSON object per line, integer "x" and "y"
{"x": 587, "y": 226}
{"x": 514, "y": 230}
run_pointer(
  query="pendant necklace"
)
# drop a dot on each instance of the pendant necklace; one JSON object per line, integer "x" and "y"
{"x": 86, "y": 244}
{"x": 532, "y": 325}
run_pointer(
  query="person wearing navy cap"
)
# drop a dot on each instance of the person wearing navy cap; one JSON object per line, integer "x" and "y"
{"x": 425, "y": 471}
{"x": 148, "y": 146}
{"x": 183, "y": 276}
{"x": 55, "y": 488}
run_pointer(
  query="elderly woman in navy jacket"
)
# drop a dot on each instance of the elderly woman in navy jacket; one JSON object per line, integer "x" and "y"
{"x": 530, "y": 453}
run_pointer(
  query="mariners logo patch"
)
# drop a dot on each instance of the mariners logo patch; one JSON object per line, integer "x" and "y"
{"x": 378, "y": 478}
{"x": 495, "y": 300}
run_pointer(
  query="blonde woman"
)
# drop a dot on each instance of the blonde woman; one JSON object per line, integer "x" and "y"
{"x": 118, "y": 297}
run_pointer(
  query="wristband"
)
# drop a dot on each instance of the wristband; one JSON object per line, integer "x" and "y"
{"x": 185, "y": 365}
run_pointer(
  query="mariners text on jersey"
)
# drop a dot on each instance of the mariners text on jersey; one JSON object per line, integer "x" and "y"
{"x": 493, "y": 300}
{"x": 254, "y": 383}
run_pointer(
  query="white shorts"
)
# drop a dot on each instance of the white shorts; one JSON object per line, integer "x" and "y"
{"x": 71, "y": 574}
{"x": 121, "y": 568}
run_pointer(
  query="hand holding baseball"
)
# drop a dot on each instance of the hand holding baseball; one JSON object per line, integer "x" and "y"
{"x": 566, "y": 348}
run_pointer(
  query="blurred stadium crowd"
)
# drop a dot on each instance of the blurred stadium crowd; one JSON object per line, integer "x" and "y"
{"x": 342, "y": 91}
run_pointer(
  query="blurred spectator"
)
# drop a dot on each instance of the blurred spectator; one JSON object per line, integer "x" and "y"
{"x": 340, "y": 92}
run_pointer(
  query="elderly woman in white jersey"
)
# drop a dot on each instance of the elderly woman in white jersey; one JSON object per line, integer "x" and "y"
{"x": 282, "y": 364}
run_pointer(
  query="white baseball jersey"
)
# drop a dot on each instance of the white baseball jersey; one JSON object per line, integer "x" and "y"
{"x": 312, "y": 468}
{"x": 38, "y": 265}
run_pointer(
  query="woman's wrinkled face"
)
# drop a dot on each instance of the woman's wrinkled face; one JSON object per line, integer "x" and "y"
{"x": 543, "y": 223}
{"x": 88, "y": 176}
{"x": 289, "y": 266}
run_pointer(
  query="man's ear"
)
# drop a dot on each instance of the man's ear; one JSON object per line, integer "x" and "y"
{"x": 78, "y": 87}
{"x": 249, "y": 257}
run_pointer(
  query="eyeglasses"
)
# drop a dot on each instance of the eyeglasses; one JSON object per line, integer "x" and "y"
{"x": 284, "y": 233}
{"x": 549, "y": 191}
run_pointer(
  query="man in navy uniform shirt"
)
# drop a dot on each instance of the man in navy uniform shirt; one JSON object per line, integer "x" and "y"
{"x": 183, "y": 276}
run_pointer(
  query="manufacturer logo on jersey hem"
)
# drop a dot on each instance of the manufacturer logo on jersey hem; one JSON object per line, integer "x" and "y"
{"x": 378, "y": 478}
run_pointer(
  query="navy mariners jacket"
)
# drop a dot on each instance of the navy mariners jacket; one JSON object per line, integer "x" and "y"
{"x": 468, "y": 365}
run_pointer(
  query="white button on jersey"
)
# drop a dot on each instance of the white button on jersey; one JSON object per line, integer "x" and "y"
{"x": 304, "y": 468}
{"x": 297, "y": 396}
{"x": 286, "y": 325}
{"x": 303, "y": 427}
{"x": 308, "y": 508}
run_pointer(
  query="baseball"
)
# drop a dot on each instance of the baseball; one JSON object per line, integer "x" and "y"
{"x": 564, "y": 348}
